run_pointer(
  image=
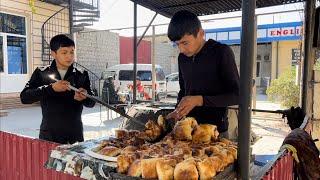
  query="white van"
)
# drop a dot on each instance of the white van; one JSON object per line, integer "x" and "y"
{"x": 173, "y": 87}
{"x": 123, "y": 77}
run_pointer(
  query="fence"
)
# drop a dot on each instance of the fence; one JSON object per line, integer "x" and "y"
{"x": 23, "y": 158}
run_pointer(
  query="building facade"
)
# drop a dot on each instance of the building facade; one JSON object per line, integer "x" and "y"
{"x": 20, "y": 41}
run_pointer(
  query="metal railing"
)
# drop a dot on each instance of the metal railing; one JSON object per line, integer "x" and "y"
{"x": 94, "y": 79}
{"x": 55, "y": 24}
{"x": 84, "y": 11}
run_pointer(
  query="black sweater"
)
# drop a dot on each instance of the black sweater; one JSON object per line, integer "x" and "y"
{"x": 61, "y": 113}
{"x": 213, "y": 74}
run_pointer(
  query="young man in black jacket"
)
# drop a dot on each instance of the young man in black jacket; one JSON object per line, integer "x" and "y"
{"x": 208, "y": 76}
{"x": 61, "y": 107}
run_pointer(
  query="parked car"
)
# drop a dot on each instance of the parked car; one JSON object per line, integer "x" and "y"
{"x": 173, "y": 87}
{"x": 123, "y": 78}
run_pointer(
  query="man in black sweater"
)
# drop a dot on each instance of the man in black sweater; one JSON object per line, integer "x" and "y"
{"x": 208, "y": 76}
{"x": 61, "y": 107}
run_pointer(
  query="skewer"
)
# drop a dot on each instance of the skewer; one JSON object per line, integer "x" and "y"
{"x": 96, "y": 99}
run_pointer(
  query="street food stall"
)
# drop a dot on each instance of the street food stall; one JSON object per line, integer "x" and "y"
{"x": 161, "y": 148}
{"x": 159, "y": 151}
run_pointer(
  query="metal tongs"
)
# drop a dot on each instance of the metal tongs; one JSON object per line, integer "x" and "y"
{"x": 94, "y": 98}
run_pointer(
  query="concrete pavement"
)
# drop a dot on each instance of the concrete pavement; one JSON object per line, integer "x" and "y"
{"x": 26, "y": 122}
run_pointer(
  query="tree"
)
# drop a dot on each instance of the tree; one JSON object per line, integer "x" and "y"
{"x": 284, "y": 89}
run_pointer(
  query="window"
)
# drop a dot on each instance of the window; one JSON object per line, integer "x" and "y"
{"x": 144, "y": 75}
{"x": 1, "y": 54}
{"x": 17, "y": 55}
{"x": 12, "y": 24}
{"x": 258, "y": 69}
{"x": 125, "y": 75}
{"x": 258, "y": 57}
{"x": 13, "y": 46}
{"x": 175, "y": 78}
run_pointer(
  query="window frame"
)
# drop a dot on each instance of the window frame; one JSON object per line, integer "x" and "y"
{"x": 3, "y": 53}
{"x": 5, "y": 46}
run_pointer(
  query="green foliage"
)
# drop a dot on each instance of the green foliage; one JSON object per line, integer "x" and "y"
{"x": 284, "y": 89}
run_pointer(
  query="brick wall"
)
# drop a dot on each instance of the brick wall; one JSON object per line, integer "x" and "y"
{"x": 167, "y": 57}
{"x": 96, "y": 49}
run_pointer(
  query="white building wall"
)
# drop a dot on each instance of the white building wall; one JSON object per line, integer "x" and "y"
{"x": 97, "y": 49}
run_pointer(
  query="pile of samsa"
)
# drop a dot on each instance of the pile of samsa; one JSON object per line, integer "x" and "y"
{"x": 189, "y": 151}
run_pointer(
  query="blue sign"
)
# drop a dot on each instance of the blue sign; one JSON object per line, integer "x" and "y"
{"x": 265, "y": 33}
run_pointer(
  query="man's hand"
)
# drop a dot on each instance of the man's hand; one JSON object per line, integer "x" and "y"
{"x": 173, "y": 115}
{"x": 79, "y": 96}
{"x": 186, "y": 104}
{"x": 61, "y": 86}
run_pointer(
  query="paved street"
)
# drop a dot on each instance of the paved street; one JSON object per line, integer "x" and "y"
{"x": 26, "y": 121}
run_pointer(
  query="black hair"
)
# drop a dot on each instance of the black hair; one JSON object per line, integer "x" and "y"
{"x": 60, "y": 40}
{"x": 110, "y": 78}
{"x": 183, "y": 23}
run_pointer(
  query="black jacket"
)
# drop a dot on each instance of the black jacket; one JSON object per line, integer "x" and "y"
{"x": 61, "y": 114}
{"x": 213, "y": 74}
{"x": 109, "y": 93}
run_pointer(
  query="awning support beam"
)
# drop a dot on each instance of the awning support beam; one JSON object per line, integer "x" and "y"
{"x": 147, "y": 28}
{"x": 135, "y": 53}
{"x": 308, "y": 60}
{"x": 248, "y": 43}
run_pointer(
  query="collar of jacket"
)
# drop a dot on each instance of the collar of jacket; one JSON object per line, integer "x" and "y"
{"x": 70, "y": 70}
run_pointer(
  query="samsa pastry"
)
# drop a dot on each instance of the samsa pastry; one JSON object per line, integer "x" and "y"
{"x": 129, "y": 150}
{"x": 208, "y": 167}
{"x": 121, "y": 133}
{"x": 186, "y": 170}
{"x": 110, "y": 151}
{"x": 124, "y": 161}
{"x": 152, "y": 131}
{"x": 135, "y": 169}
{"x": 204, "y": 133}
{"x": 233, "y": 151}
{"x": 183, "y": 129}
{"x": 148, "y": 167}
{"x": 226, "y": 141}
{"x": 198, "y": 152}
{"x": 165, "y": 169}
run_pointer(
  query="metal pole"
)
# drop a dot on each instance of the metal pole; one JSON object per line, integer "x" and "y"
{"x": 248, "y": 41}
{"x": 153, "y": 64}
{"x": 70, "y": 18}
{"x": 135, "y": 59}
{"x": 147, "y": 28}
{"x": 254, "y": 69}
{"x": 309, "y": 56}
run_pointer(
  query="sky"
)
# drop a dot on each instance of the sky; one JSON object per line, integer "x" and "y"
{"x": 119, "y": 14}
